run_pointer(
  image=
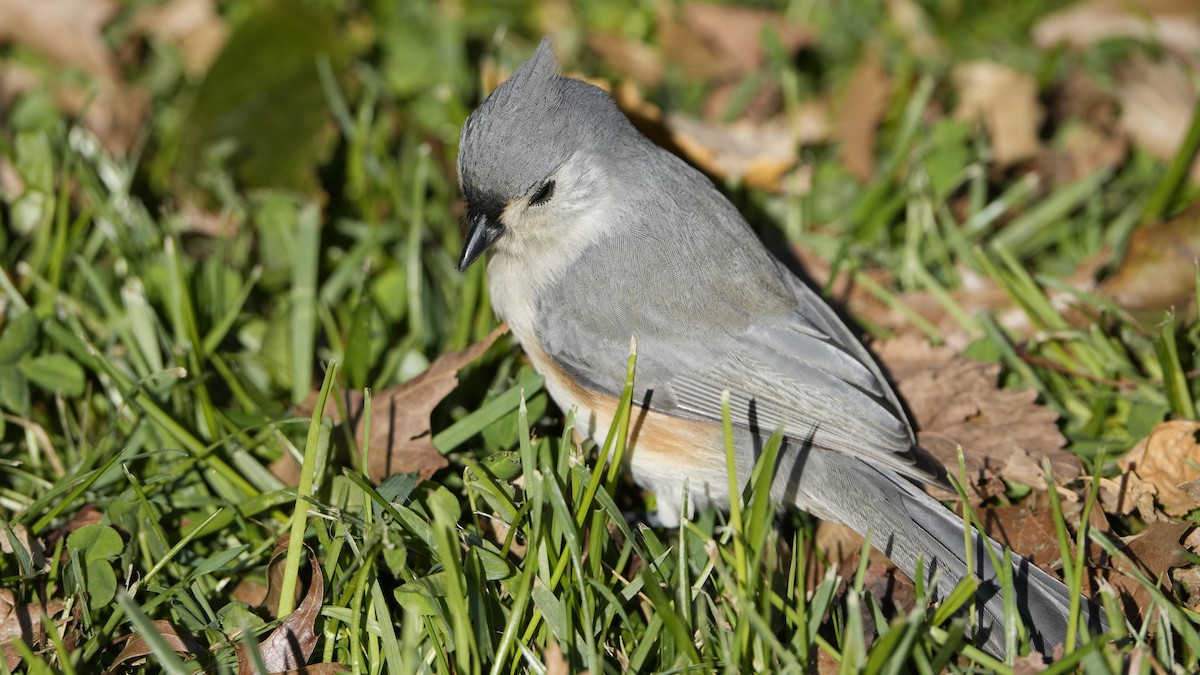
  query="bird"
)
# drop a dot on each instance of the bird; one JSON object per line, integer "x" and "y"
{"x": 596, "y": 237}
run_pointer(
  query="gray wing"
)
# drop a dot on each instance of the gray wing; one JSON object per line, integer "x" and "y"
{"x": 788, "y": 365}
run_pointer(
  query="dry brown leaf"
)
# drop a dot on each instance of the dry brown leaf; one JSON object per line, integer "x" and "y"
{"x": 1158, "y": 272}
{"x": 914, "y": 28}
{"x": 136, "y": 648}
{"x": 1007, "y": 102}
{"x": 1029, "y": 532}
{"x": 1175, "y": 24}
{"x": 275, "y": 570}
{"x": 316, "y": 669}
{"x": 194, "y": 25}
{"x": 724, "y": 45}
{"x": 1155, "y": 552}
{"x": 756, "y": 154}
{"x": 953, "y": 397}
{"x": 68, "y": 32}
{"x": 22, "y": 622}
{"x": 114, "y": 113}
{"x": 1164, "y": 460}
{"x": 736, "y": 33}
{"x": 1156, "y": 107}
{"x": 862, "y": 110}
{"x": 400, "y": 440}
{"x": 251, "y": 592}
{"x": 289, "y": 646}
{"x": 632, "y": 57}
{"x": 556, "y": 663}
{"x": 709, "y": 41}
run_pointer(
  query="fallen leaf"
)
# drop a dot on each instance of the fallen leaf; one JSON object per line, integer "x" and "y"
{"x": 1166, "y": 459}
{"x": 758, "y": 155}
{"x": 1032, "y": 663}
{"x": 1026, "y": 531}
{"x": 1157, "y": 99}
{"x": 1158, "y": 271}
{"x": 1154, "y": 552}
{"x": 736, "y": 33}
{"x": 861, "y": 112}
{"x": 632, "y": 57}
{"x": 400, "y": 440}
{"x": 290, "y": 646}
{"x": 914, "y": 28}
{"x": 275, "y": 570}
{"x": 22, "y": 622}
{"x": 68, "y": 32}
{"x": 725, "y": 46}
{"x": 555, "y": 662}
{"x": 114, "y": 113}
{"x": 1007, "y": 102}
{"x": 194, "y": 25}
{"x": 1174, "y": 24}
{"x": 136, "y": 648}
{"x": 955, "y": 398}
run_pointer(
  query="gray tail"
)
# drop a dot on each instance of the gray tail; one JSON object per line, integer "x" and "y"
{"x": 908, "y": 525}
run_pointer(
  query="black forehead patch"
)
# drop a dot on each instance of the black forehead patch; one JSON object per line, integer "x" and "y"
{"x": 484, "y": 202}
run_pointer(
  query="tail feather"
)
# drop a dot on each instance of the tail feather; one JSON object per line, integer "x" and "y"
{"x": 908, "y": 525}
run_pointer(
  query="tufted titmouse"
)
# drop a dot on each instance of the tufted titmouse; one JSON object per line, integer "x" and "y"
{"x": 599, "y": 236}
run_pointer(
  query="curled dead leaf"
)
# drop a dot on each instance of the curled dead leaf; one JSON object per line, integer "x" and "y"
{"x": 290, "y": 646}
{"x": 1165, "y": 460}
{"x": 137, "y": 649}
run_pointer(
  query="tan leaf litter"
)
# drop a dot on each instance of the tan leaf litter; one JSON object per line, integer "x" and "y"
{"x": 1165, "y": 460}
{"x": 1157, "y": 99}
{"x": 194, "y": 25}
{"x": 1154, "y": 552}
{"x": 1158, "y": 271}
{"x": 400, "y": 426}
{"x": 68, "y": 32}
{"x": 1007, "y": 101}
{"x": 757, "y": 155}
{"x": 633, "y": 57}
{"x": 862, "y": 111}
{"x": 955, "y": 401}
{"x": 1175, "y": 24}
{"x": 729, "y": 38}
{"x": 1030, "y": 532}
{"x": 23, "y": 622}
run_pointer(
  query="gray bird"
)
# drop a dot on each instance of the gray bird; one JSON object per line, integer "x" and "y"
{"x": 599, "y": 236}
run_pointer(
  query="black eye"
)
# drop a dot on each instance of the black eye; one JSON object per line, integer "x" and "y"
{"x": 543, "y": 194}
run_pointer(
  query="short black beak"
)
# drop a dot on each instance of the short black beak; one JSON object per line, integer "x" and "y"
{"x": 484, "y": 232}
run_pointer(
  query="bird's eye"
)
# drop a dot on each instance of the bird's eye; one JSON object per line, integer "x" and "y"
{"x": 543, "y": 195}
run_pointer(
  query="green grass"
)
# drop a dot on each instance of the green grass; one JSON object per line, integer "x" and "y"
{"x": 151, "y": 370}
